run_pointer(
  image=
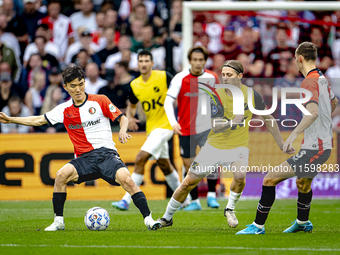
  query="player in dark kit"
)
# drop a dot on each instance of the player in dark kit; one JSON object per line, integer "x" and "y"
{"x": 86, "y": 119}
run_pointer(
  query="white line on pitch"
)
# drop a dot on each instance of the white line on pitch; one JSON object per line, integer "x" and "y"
{"x": 171, "y": 247}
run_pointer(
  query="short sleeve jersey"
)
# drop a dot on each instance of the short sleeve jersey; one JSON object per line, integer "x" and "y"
{"x": 235, "y": 136}
{"x": 88, "y": 124}
{"x": 152, "y": 95}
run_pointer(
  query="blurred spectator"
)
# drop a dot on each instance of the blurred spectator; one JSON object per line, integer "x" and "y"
{"x": 93, "y": 82}
{"x": 278, "y": 59}
{"x": 292, "y": 80}
{"x": 124, "y": 46}
{"x": 85, "y": 42}
{"x": 7, "y": 55}
{"x": 16, "y": 24}
{"x": 110, "y": 45}
{"x": 31, "y": 17}
{"x": 72, "y": 7}
{"x": 62, "y": 33}
{"x": 48, "y": 61}
{"x": 55, "y": 78}
{"x": 85, "y": 17}
{"x": 40, "y": 6}
{"x": 136, "y": 33}
{"x": 218, "y": 61}
{"x": 139, "y": 13}
{"x": 176, "y": 17}
{"x": 241, "y": 22}
{"x": 215, "y": 31}
{"x": 83, "y": 58}
{"x": 50, "y": 47}
{"x": 15, "y": 109}
{"x": 111, "y": 20}
{"x": 8, "y": 38}
{"x": 251, "y": 49}
{"x": 118, "y": 89}
{"x": 325, "y": 59}
{"x": 6, "y": 90}
{"x": 148, "y": 42}
{"x": 230, "y": 48}
{"x": 333, "y": 76}
{"x": 33, "y": 99}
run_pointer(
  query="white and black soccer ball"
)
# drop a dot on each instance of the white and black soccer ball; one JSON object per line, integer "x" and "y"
{"x": 97, "y": 218}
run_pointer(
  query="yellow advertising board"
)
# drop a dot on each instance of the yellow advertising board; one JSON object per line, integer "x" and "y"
{"x": 29, "y": 162}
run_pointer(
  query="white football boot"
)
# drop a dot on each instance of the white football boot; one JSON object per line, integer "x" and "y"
{"x": 231, "y": 217}
{"x": 58, "y": 224}
{"x": 151, "y": 224}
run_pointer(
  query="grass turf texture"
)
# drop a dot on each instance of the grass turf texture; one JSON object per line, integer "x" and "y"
{"x": 201, "y": 232}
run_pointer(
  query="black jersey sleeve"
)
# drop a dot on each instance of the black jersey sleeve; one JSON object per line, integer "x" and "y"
{"x": 216, "y": 107}
{"x": 259, "y": 103}
{"x": 169, "y": 77}
{"x": 133, "y": 99}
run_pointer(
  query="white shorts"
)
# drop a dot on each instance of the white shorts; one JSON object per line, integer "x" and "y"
{"x": 209, "y": 158}
{"x": 157, "y": 143}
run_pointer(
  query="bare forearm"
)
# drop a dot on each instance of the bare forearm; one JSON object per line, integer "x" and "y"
{"x": 220, "y": 125}
{"x": 29, "y": 121}
{"x": 275, "y": 131}
{"x": 123, "y": 123}
{"x": 306, "y": 121}
{"x": 131, "y": 111}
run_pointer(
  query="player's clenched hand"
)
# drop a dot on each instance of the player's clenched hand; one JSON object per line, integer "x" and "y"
{"x": 133, "y": 124}
{"x": 287, "y": 146}
{"x": 237, "y": 120}
{"x": 177, "y": 129}
{"x": 4, "y": 118}
{"x": 124, "y": 137}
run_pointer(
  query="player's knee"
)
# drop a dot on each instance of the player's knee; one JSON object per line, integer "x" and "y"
{"x": 141, "y": 160}
{"x": 240, "y": 180}
{"x": 270, "y": 181}
{"x": 128, "y": 182}
{"x": 61, "y": 176}
{"x": 303, "y": 187}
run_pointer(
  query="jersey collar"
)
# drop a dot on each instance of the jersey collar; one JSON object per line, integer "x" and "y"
{"x": 313, "y": 70}
{"x": 197, "y": 75}
{"x": 78, "y": 106}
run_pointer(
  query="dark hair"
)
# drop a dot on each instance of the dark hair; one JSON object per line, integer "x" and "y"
{"x": 124, "y": 64}
{"x": 73, "y": 72}
{"x": 234, "y": 64}
{"x": 198, "y": 48}
{"x": 43, "y": 26}
{"x": 44, "y": 38}
{"x": 54, "y": 2}
{"x": 307, "y": 50}
{"x": 145, "y": 53}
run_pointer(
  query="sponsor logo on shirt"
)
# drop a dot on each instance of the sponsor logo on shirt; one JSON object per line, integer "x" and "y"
{"x": 83, "y": 125}
{"x": 92, "y": 110}
{"x": 112, "y": 108}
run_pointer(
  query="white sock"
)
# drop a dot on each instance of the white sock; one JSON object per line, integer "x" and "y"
{"x": 301, "y": 222}
{"x": 197, "y": 201}
{"x": 233, "y": 199}
{"x": 138, "y": 179}
{"x": 172, "y": 207}
{"x": 211, "y": 194}
{"x": 257, "y": 225}
{"x": 173, "y": 180}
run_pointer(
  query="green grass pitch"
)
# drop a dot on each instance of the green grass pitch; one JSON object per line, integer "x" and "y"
{"x": 200, "y": 232}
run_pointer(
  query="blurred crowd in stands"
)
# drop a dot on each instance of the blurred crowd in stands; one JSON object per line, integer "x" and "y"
{"x": 39, "y": 38}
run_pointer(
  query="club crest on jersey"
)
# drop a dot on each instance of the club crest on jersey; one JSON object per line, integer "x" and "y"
{"x": 214, "y": 109}
{"x": 112, "y": 108}
{"x": 92, "y": 110}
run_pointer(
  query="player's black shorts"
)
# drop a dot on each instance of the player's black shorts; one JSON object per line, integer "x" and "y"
{"x": 189, "y": 143}
{"x": 98, "y": 163}
{"x": 306, "y": 163}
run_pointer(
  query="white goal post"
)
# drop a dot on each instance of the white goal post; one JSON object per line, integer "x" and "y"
{"x": 189, "y": 7}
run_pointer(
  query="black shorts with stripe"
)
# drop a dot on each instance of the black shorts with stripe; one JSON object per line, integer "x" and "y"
{"x": 188, "y": 144}
{"x": 98, "y": 163}
{"x": 306, "y": 163}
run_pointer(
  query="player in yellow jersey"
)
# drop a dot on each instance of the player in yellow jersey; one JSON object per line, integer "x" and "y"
{"x": 150, "y": 89}
{"x": 226, "y": 146}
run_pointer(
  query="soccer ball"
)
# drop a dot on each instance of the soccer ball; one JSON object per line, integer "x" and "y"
{"x": 97, "y": 218}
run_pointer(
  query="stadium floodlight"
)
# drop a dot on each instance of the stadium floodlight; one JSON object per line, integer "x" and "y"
{"x": 189, "y": 7}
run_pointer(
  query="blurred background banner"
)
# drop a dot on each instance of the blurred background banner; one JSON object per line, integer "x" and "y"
{"x": 29, "y": 162}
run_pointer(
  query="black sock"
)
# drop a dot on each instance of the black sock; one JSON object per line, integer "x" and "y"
{"x": 212, "y": 185}
{"x": 194, "y": 193}
{"x": 303, "y": 205}
{"x": 58, "y": 201}
{"x": 141, "y": 203}
{"x": 265, "y": 203}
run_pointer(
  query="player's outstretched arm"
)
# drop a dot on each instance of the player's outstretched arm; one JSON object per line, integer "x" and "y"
{"x": 130, "y": 113}
{"x": 27, "y": 121}
{"x": 275, "y": 131}
{"x": 334, "y": 103}
{"x": 123, "y": 136}
{"x": 306, "y": 121}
